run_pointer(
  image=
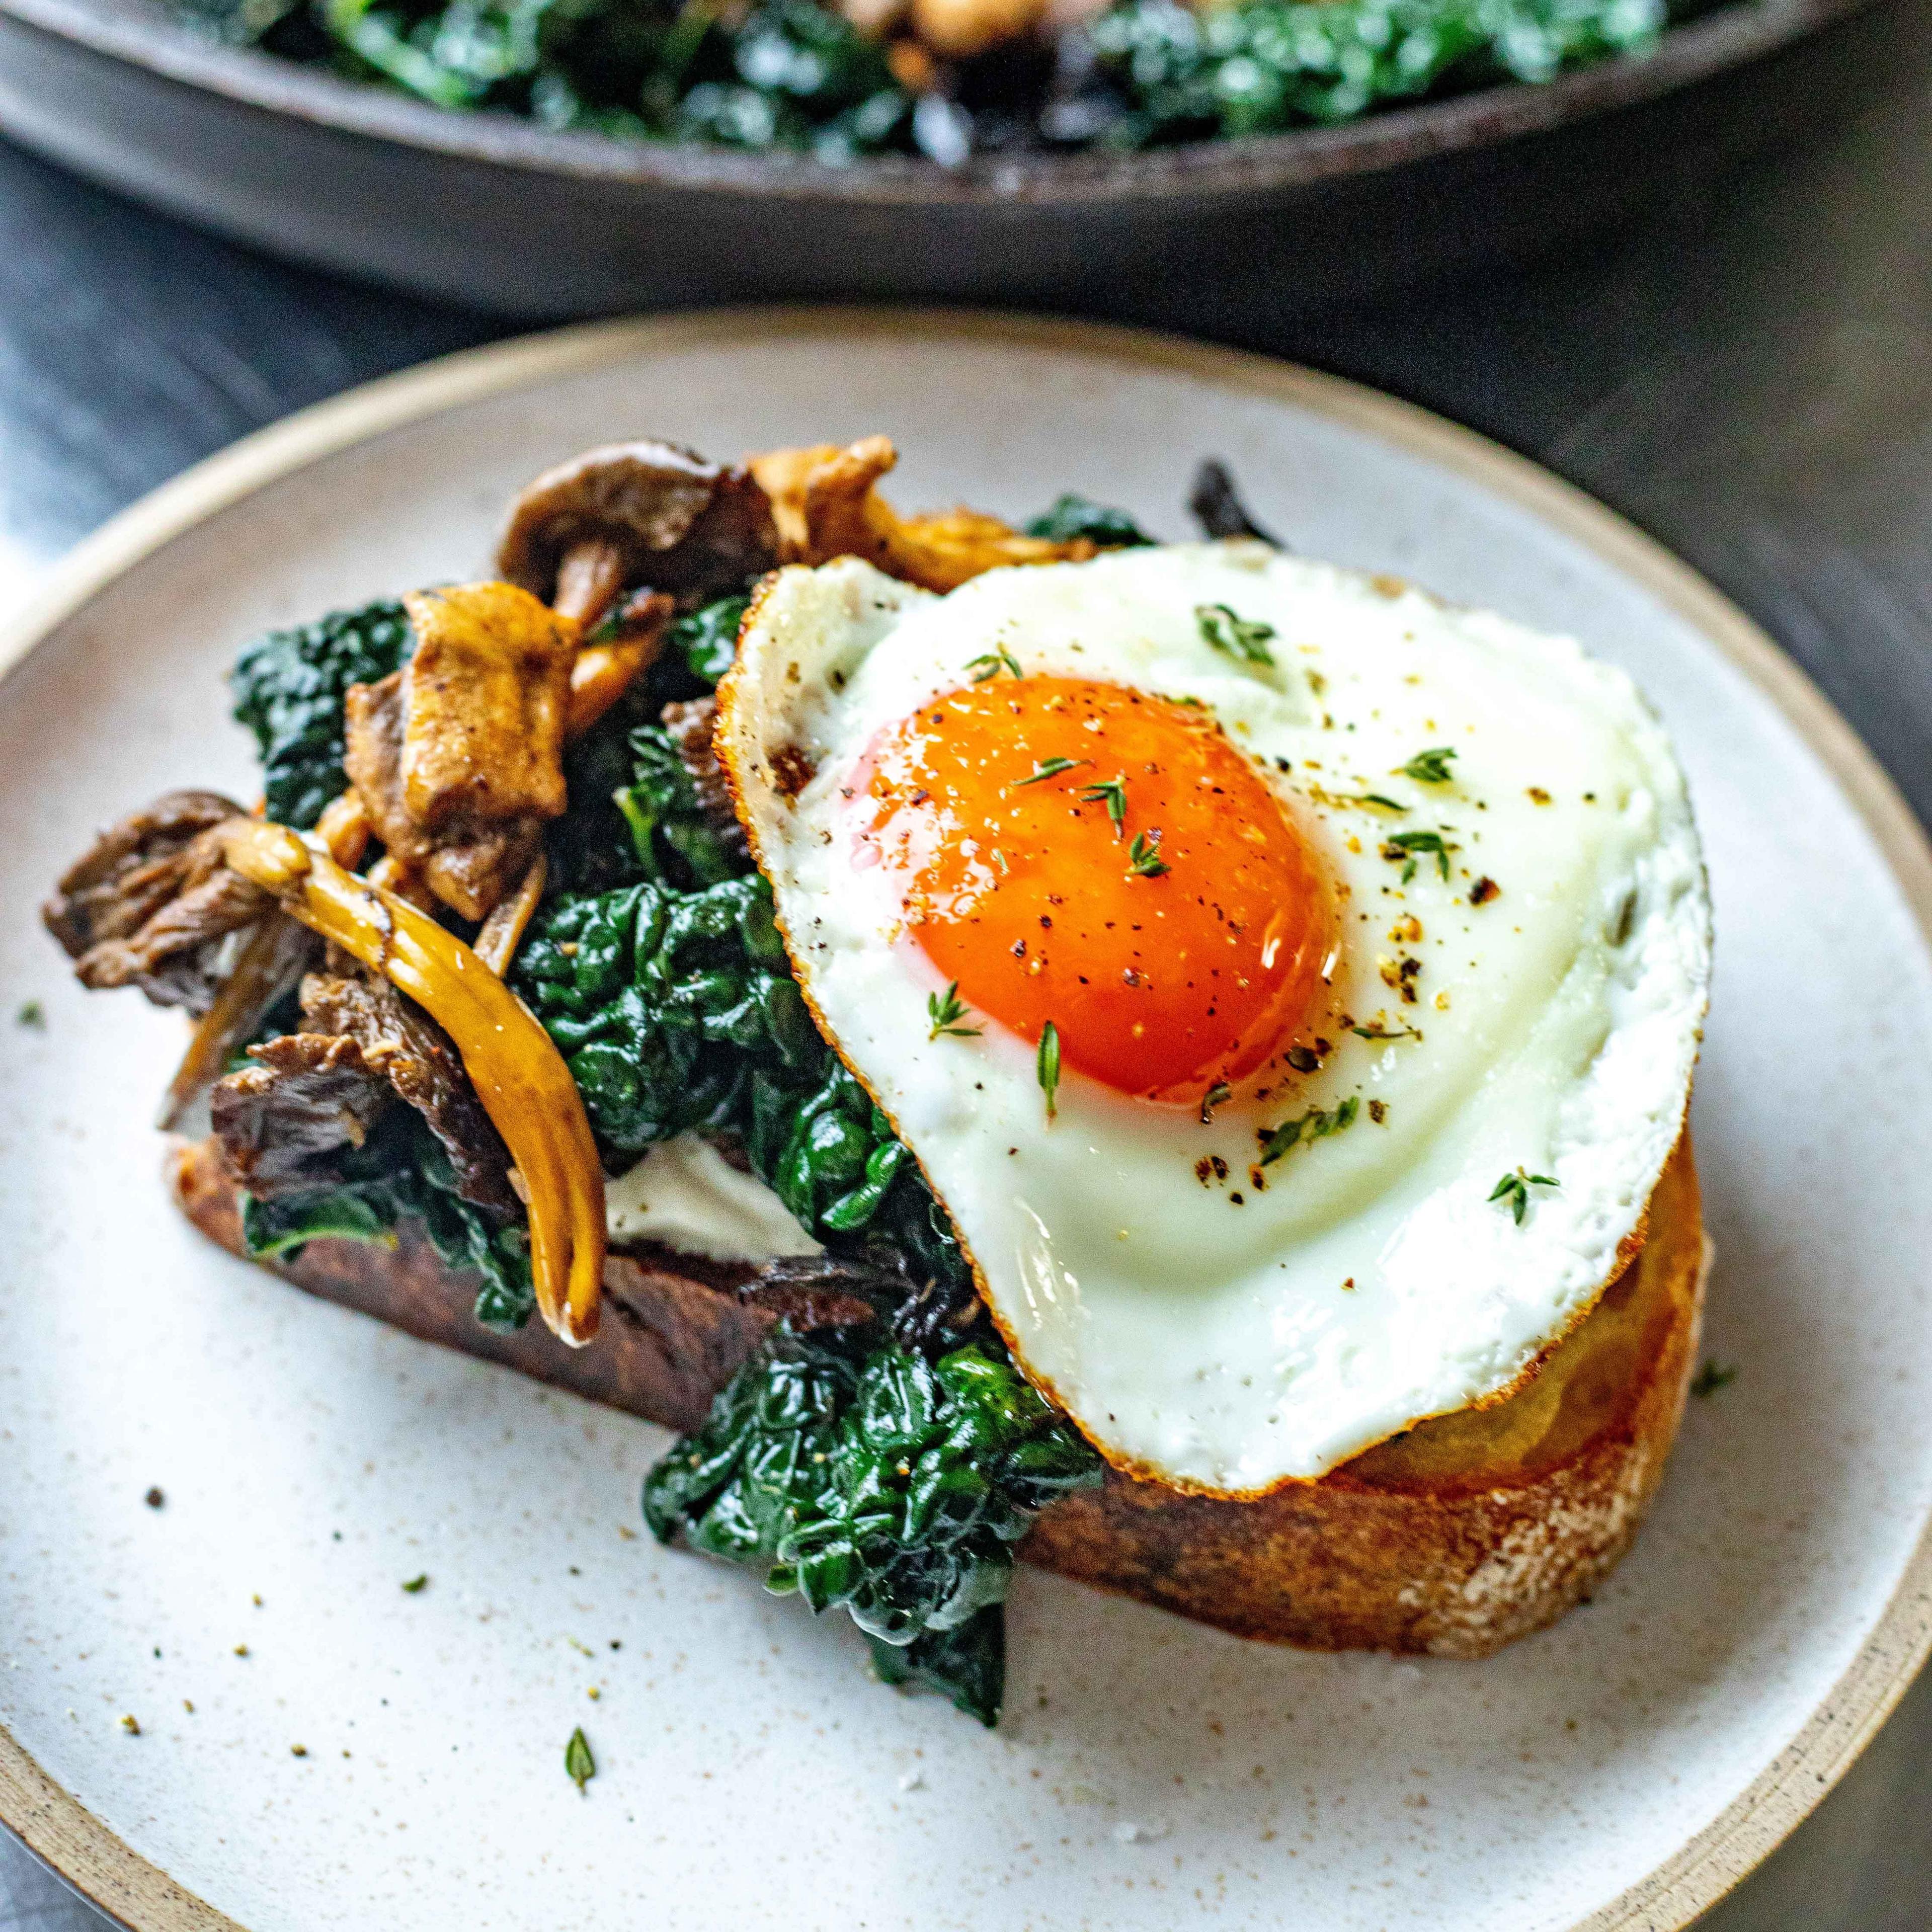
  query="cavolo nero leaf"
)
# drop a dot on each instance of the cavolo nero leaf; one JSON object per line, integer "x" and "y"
{"x": 707, "y": 639}
{"x": 1266, "y": 65}
{"x": 865, "y": 1477}
{"x": 660, "y": 810}
{"x": 664, "y": 1003}
{"x": 289, "y": 688}
{"x": 401, "y": 1172}
{"x": 1071, "y": 516}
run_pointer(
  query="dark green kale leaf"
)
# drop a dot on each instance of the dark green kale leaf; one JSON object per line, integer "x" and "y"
{"x": 280, "y": 1228}
{"x": 400, "y": 1173}
{"x": 660, "y": 806}
{"x": 289, "y": 688}
{"x": 788, "y": 73}
{"x": 801, "y": 77}
{"x": 633, "y": 814}
{"x": 797, "y": 74}
{"x": 838, "y": 1157}
{"x": 590, "y": 848}
{"x": 664, "y": 1003}
{"x": 467, "y": 1237}
{"x": 1073, "y": 516}
{"x": 706, "y": 641}
{"x": 1265, "y": 65}
{"x": 863, "y": 1477}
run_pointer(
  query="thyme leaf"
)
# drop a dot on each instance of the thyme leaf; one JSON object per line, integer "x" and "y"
{"x": 1245, "y": 638}
{"x": 1512, "y": 1190}
{"x": 578, "y": 1762}
{"x": 1711, "y": 1378}
{"x": 945, "y": 1011}
{"x": 1046, "y": 1066}
{"x": 1143, "y": 859}
{"x": 1315, "y": 1125}
{"x": 1405, "y": 845}
{"x": 1051, "y": 768}
{"x": 1112, "y": 793}
{"x": 1430, "y": 767}
{"x": 992, "y": 663}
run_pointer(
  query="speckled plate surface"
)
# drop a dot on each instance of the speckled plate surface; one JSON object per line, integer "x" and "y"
{"x": 317, "y": 1748}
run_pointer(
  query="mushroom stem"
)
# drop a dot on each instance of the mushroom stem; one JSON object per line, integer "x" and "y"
{"x": 277, "y": 954}
{"x": 344, "y": 829}
{"x": 588, "y": 580}
{"x": 603, "y": 672}
{"x": 503, "y": 931}
{"x": 280, "y": 950}
{"x": 520, "y": 1077}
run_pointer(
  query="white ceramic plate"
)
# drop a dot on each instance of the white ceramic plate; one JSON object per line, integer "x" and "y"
{"x": 1619, "y": 1771}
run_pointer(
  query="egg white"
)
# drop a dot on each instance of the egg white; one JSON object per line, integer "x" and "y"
{"x": 1221, "y": 1325}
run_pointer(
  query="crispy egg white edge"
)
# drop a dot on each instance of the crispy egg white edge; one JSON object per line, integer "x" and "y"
{"x": 803, "y": 641}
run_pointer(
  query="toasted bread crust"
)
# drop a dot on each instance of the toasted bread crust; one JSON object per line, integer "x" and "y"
{"x": 1468, "y": 1531}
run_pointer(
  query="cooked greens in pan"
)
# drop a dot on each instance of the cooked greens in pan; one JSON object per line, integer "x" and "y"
{"x": 945, "y": 79}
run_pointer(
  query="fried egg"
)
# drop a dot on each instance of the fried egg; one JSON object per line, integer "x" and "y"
{"x": 1291, "y": 985}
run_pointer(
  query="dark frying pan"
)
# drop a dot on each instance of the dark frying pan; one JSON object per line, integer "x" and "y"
{"x": 492, "y": 210}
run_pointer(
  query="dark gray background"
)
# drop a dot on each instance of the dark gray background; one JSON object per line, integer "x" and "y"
{"x": 1749, "y": 377}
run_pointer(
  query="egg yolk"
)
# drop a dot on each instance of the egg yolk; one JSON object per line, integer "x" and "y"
{"x": 1083, "y": 853}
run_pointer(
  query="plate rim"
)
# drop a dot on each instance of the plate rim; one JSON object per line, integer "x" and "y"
{"x": 59, "y": 1830}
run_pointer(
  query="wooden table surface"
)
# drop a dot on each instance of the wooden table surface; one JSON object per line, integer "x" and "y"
{"x": 1749, "y": 377}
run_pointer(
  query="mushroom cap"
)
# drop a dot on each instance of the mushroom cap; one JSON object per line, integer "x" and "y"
{"x": 681, "y": 524}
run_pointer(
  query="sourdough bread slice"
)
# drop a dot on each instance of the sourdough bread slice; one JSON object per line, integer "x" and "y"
{"x": 1463, "y": 1534}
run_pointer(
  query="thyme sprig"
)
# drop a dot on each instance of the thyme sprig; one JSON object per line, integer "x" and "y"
{"x": 1112, "y": 793}
{"x": 945, "y": 1010}
{"x": 1512, "y": 1190}
{"x": 1143, "y": 856}
{"x": 1245, "y": 638}
{"x": 1050, "y": 768}
{"x": 992, "y": 663}
{"x": 1046, "y": 1067}
{"x": 1315, "y": 1125}
{"x": 1430, "y": 767}
{"x": 1408, "y": 845}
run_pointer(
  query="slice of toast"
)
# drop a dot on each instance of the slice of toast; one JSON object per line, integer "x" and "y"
{"x": 1454, "y": 1538}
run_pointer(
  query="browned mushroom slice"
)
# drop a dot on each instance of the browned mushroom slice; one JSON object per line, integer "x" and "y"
{"x": 372, "y": 755}
{"x": 458, "y": 757}
{"x": 150, "y": 903}
{"x": 484, "y": 699}
{"x": 477, "y": 866}
{"x": 503, "y": 931}
{"x": 280, "y": 1122}
{"x": 826, "y": 506}
{"x": 636, "y": 513}
{"x": 401, "y": 1043}
{"x": 308, "y": 1096}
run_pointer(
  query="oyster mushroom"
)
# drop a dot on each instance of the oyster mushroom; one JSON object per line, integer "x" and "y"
{"x": 636, "y": 514}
